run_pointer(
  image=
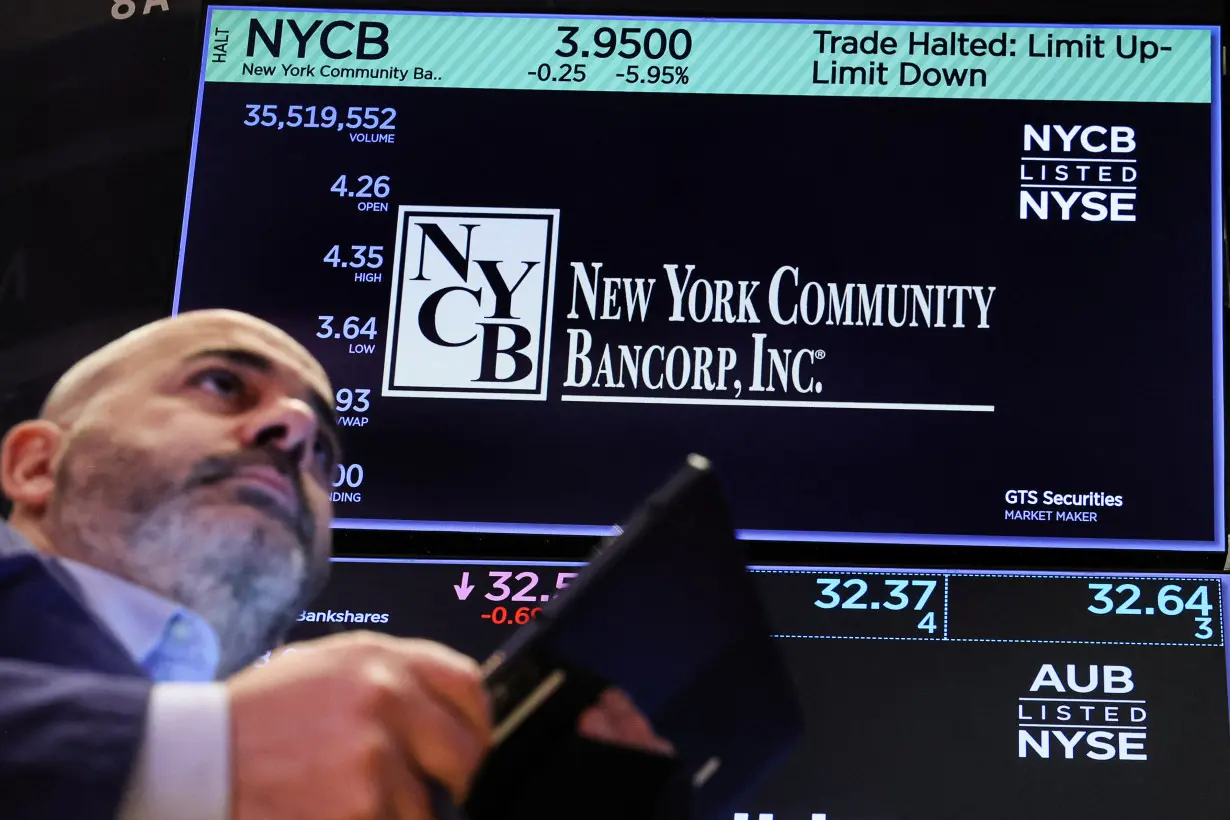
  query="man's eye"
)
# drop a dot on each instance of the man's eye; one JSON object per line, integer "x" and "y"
{"x": 325, "y": 455}
{"x": 222, "y": 382}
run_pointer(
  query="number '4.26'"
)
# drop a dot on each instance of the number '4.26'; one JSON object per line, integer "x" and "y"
{"x": 366, "y": 187}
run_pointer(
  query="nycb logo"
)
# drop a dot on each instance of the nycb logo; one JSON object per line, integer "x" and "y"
{"x": 471, "y": 303}
{"x": 338, "y": 40}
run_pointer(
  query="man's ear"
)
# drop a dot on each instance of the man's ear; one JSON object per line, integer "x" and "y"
{"x": 28, "y": 457}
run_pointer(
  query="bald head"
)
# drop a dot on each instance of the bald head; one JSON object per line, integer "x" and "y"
{"x": 192, "y": 456}
{"x": 107, "y": 367}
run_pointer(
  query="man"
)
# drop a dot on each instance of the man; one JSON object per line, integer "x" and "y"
{"x": 170, "y": 517}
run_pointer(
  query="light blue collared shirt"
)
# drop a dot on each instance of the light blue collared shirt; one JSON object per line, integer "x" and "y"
{"x": 171, "y": 643}
{"x": 182, "y": 770}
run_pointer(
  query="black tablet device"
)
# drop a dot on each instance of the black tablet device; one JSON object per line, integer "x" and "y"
{"x": 668, "y": 613}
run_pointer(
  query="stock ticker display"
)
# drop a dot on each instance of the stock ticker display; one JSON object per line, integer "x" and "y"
{"x": 929, "y": 695}
{"x": 964, "y": 278}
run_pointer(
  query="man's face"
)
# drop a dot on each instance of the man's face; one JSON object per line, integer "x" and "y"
{"x": 201, "y": 469}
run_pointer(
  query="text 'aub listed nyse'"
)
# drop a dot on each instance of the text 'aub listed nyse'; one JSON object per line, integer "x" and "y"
{"x": 1083, "y": 711}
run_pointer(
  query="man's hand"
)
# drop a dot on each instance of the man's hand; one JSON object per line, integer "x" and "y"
{"x": 351, "y": 728}
{"x": 615, "y": 719}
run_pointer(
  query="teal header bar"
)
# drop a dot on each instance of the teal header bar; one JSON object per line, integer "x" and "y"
{"x": 647, "y": 55}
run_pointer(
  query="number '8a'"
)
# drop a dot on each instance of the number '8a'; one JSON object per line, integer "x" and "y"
{"x": 123, "y": 9}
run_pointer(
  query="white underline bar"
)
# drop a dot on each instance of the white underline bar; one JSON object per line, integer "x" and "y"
{"x": 1082, "y": 700}
{"x": 1116, "y": 727}
{"x": 1071, "y": 159}
{"x": 1088, "y": 187}
{"x": 847, "y": 405}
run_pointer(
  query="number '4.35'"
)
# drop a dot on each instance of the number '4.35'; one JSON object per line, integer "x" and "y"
{"x": 361, "y": 256}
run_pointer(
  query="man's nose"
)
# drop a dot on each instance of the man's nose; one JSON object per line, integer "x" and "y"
{"x": 286, "y": 423}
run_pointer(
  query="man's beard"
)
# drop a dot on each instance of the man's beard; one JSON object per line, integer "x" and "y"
{"x": 247, "y": 575}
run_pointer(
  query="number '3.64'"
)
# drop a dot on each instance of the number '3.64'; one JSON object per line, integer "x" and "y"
{"x": 352, "y": 328}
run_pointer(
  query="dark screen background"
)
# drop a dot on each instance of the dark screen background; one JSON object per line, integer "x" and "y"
{"x": 1099, "y": 359}
{"x": 906, "y": 730}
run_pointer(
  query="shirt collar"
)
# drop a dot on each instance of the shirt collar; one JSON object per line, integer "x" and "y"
{"x": 169, "y": 641}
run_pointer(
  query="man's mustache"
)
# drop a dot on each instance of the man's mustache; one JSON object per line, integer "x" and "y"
{"x": 216, "y": 469}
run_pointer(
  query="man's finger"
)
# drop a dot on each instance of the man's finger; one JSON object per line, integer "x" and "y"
{"x": 453, "y": 679}
{"x": 629, "y": 722}
{"x": 407, "y": 796}
{"x": 442, "y": 744}
{"x": 596, "y": 725}
{"x": 615, "y": 719}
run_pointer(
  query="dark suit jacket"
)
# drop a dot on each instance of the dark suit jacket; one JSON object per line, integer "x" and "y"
{"x": 72, "y": 712}
{"x": 72, "y": 703}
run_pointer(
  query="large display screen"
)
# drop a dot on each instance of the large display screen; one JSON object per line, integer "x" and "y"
{"x": 929, "y": 694}
{"x": 902, "y": 282}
